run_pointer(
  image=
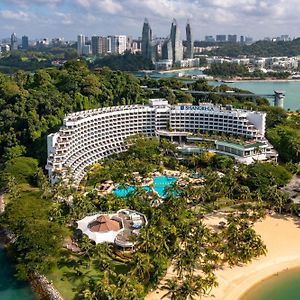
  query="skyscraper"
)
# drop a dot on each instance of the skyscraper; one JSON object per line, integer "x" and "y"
{"x": 167, "y": 50}
{"x": 189, "y": 41}
{"x": 220, "y": 38}
{"x": 147, "y": 40}
{"x": 25, "y": 43}
{"x": 176, "y": 42}
{"x": 99, "y": 45}
{"x": 13, "y": 42}
{"x": 80, "y": 44}
{"x": 95, "y": 43}
{"x": 117, "y": 44}
{"x": 232, "y": 38}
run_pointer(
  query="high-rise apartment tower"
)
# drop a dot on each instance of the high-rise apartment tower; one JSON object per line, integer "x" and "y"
{"x": 13, "y": 42}
{"x": 189, "y": 41}
{"x": 176, "y": 42}
{"x": 147, "y": 51}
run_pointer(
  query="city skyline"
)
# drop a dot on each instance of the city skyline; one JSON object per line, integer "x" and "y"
{"x": 104, "y": 17}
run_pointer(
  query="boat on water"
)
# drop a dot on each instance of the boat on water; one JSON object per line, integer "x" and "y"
{"x": 227, "y": 81}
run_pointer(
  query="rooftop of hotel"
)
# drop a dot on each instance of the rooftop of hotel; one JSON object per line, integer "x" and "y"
{"x": 209, "y": 107}
{"x": 244, "y": 145}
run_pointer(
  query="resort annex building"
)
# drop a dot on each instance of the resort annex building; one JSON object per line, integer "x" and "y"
{"x": 89, "y": 136}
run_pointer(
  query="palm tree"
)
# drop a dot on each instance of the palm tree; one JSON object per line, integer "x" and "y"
{"x": 277, "y": 198}
{"x": 56, "y": 212}
{"x": 43, "y": 183}
{"x": 244, "y": 193}
{"x": 171, "y": 285}
{"x": 188, "y": 289}
{"x": 12, "y": 188}
{"x": 127, "y": 288}
{"x": 145, "y": 240}
{"x": 88, "y": 294}
{"x": 101, "y": 255}
{"x": 86, "y": 246}
{"x": 142, "y": 266}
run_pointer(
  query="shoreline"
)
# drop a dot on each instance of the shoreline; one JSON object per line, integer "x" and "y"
{"x": 283, "y": 253}
{"x": 236, "y": 292}
{"x": 40, "y": 286}
{"x": 281, "y": 234}
{"x": 179, "y": 70}
{"x": 218, "y": 79}
{"x": 285, "y": 270}
{"x": 257, "y": 80}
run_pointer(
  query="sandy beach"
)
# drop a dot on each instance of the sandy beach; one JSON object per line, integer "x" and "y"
{"x": 282, "y": 238}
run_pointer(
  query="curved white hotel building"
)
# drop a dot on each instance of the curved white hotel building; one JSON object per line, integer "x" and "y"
{"x": 88, "y": 136}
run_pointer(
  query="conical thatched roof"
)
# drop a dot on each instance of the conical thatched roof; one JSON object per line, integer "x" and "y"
{"x": 104, "y": 224}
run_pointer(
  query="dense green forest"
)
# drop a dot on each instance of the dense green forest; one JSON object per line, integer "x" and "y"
{"x": 32, "y": 105}
{"x": 34, "y": 59}
{"x": 124, "y": 62}
{"x": 228, "y": 70}
{"x": 260, "y": 48}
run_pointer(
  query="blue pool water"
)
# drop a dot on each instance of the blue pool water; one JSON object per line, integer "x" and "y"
{"x": 159, "y": 185}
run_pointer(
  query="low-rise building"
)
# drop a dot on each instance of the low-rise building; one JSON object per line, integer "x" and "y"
{"x": 114, "y": 228}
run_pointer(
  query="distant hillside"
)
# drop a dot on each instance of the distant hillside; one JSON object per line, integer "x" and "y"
{"x": 125, "y": 62}
{"x": 260, "y": 48}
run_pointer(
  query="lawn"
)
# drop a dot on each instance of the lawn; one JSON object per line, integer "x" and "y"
{"x": 27, "y": 192}
{"x": 69, "y": 276}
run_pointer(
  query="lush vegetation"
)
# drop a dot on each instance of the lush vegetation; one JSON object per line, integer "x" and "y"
{"x": 40, "y": 216}
{"x": 229, "y": 70}
{"x": 124, "y": 62}
{"x": 33, "y": 60}
{"x": 285, "y": 137}
{"x": 33, "y": 105}
{"x": 175, "y": 234}
{"x": 260, "y": 48}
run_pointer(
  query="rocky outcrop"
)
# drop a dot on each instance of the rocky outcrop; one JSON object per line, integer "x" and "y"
{"x": 43, "y": 288}
{"x": 2, "y": 204}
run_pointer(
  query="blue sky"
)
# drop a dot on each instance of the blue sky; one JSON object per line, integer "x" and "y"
{"x": 67, "y": 18}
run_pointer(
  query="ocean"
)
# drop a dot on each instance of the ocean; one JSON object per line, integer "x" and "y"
{"x": 282, "y": 286}
{"x": 10, "y": 287}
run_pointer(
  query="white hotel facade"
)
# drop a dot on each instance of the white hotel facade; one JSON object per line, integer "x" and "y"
{"x": 89, "y": 136}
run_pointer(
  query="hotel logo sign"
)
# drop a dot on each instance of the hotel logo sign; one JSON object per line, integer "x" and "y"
{"x": 194, "y": 107}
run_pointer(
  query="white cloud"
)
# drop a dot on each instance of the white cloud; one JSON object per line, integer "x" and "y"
{"x": 33, "y": 2}
{"x": 14, "y": 15}
{"x": 65, "y": 19}
{"x": 247, "y": 17}
{"x": 109, "y": 6}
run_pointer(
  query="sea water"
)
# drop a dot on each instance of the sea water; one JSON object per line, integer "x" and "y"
{"x": 281, "y": 286}
{"x": 10, "y": 287}
{"x": 291, "y": 89}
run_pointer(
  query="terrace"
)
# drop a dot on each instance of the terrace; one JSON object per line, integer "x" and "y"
{"x": 115, "y": 228}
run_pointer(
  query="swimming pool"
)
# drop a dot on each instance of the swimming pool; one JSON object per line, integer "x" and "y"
{"x": 159, "y": 185}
